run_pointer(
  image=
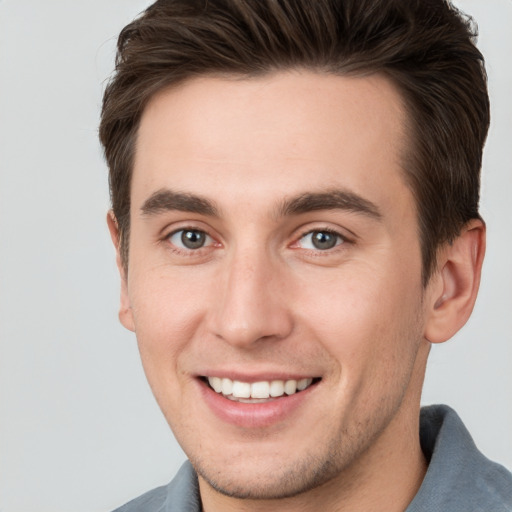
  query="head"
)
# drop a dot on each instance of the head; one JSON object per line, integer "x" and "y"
{"x": 426, "y": 49}
{"x": 295, "y": 205}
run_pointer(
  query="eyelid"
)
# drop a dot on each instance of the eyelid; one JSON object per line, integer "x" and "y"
{"x": 310, "y": 227}
{"x": 172, "y": 228}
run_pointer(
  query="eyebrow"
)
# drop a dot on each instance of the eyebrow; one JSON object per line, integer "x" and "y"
{"x": 329, "y": 200}
{"x": 167, "y": 200}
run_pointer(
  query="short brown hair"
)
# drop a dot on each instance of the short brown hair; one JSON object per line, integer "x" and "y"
{"x": 426, "y": 48}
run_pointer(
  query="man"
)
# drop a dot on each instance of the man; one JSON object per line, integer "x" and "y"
{"x": 295, "y": 193}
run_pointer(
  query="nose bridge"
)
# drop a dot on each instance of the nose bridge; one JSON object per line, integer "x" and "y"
{"x": 250, "y": 306}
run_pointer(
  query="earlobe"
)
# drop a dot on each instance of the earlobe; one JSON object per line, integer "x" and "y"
{"x": 125, "y": 309}
{"x": 453, "y": 290}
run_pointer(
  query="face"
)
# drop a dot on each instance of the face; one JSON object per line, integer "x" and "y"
{"x": 274, "y": 279}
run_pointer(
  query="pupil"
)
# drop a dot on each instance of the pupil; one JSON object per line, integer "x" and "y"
{"x": 193, "y": 239}
{"x": 324, "y": 240}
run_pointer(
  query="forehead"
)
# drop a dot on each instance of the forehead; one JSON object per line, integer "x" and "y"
{"x": 279, "y": 134}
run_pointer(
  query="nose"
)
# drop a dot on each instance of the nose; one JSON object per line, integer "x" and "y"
{"x": 251, "y": 304}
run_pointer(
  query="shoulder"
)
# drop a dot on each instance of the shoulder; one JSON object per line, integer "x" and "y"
{"x": 181, "y": 494}
{"x": 151, "y": 501}
{"x": 459, "y": 476}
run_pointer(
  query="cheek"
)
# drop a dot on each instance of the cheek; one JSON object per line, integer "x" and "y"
{"x": 368, "y": 321}
{"x": 166, "y": 315}
{"x": 165, "y": 303}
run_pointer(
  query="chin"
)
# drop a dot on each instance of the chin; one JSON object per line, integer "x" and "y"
{"x": 264, "y": 480}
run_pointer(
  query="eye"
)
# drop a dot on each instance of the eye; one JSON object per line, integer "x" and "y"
{"x": 190, "y": 239}
{"x": 321, "y": 240}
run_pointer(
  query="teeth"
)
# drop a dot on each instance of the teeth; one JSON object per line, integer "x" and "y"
{"x": 276, "y": 388}
{"x": 227, "y": 386}
{"x": 257, "y": 390}
{"x": 216, "y": 384}
{"x": 241, "y": 389}
{"x": 290, "y": 387}
{"x": 260, "y": 390}
{"x": 302, "y": 384}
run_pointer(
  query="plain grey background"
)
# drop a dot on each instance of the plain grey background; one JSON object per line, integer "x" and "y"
{"x": 79, "y": 429}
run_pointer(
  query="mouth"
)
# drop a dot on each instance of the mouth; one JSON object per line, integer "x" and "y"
{"x": 258, "y": 392}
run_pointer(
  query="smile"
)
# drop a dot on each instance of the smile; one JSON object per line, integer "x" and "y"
{"x": 256, "y": 392}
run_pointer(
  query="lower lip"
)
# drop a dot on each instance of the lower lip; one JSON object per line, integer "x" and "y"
{"x": 257, "y": 415}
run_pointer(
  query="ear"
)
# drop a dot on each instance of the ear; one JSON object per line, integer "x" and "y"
{"x": 125, "y": 309}
{"x": 453, "y": 289}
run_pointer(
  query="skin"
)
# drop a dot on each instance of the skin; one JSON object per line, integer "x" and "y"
{"x": 259, "y": 298}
